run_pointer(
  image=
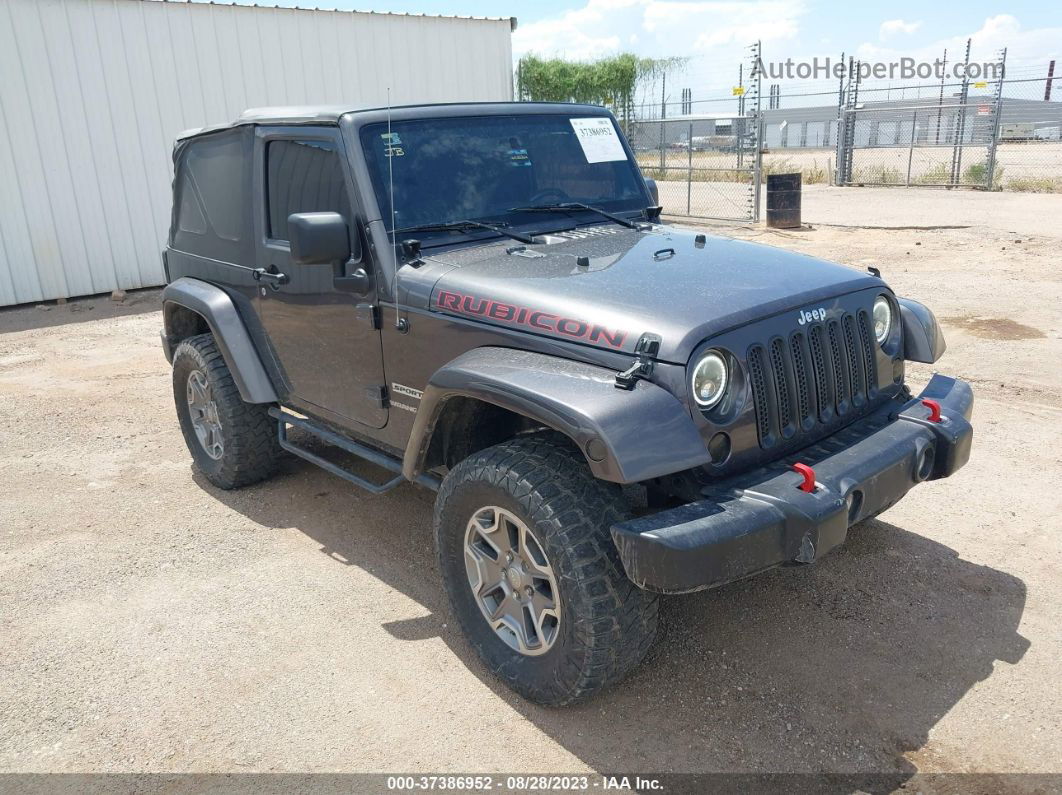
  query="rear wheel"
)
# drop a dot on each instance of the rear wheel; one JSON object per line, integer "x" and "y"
{"x": 233, "y": 443}
{"x": 527, "y": 559}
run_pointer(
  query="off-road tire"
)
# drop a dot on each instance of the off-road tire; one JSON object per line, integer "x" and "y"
{"x": 251, "y": 450}
{"x": 607, "y": 623}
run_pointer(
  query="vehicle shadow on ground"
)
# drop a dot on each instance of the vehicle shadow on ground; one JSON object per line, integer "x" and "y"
{"x": 843, "y": 666}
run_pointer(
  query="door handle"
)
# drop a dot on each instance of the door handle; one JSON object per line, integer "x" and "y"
{"x": 273, "y": 275}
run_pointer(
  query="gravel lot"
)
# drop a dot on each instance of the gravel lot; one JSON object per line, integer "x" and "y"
{"x": 149, "y": 622}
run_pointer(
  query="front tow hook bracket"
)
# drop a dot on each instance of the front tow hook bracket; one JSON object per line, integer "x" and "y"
{"x": 806, "y": 472}
{"x": 934, "y": 409}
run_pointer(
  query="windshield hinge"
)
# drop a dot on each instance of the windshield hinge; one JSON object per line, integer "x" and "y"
{"x": 411, "y": 248}
{"x": 648, "y": 346}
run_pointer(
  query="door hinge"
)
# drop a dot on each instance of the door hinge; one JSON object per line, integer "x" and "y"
{"x": 370, "y": 313}
{"x": 377, "y": 395}
{"x": 648, "y": 346}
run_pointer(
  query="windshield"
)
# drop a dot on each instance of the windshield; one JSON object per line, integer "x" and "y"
{"x": 485, "y": 168}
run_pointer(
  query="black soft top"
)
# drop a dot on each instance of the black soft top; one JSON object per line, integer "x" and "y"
{"x": 331, "y": 114}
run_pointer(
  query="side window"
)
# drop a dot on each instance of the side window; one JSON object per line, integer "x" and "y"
{"x": 211, "y": 197}
{"x": 302, "y": 177}
{"x": 190, "y": 216}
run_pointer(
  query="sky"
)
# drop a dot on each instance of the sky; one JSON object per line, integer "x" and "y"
{"x": 714, "y": 34}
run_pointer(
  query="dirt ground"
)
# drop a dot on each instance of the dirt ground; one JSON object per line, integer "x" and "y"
{"x": 886, "y": 207}
{"x": 149, "y": 622}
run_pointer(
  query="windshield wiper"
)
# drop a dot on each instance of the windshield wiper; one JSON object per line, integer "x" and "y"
{"x": 464, "y": 226}
{"x": 545, "y": 208}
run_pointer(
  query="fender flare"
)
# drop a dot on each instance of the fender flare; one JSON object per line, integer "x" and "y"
{"x": 216, "y": 307}
{"x": 923, "y": 340}
{"x": 625, "y": 436}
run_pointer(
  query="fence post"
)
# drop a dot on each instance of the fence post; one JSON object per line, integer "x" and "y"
{"x": 663, "y": 115}
{"x": 960, "y": 122}
{"x": 846, "y": 125}
{"x": 910, "y": 150}
{"x": 663, "y": 162}
{"x": 994, "y": 142}
{"x": 757, "y": 175}
{"x": 689, "y": 168}
{"x": 842, "y": 144}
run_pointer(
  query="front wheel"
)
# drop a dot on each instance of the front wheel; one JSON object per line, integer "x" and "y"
{"x": 527, "y": 559}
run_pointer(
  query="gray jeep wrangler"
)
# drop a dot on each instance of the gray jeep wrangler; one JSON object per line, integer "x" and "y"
{"x": 481, "y": 299}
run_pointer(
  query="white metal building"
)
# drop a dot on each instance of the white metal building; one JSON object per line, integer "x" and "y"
{"x": 93, "y": 92}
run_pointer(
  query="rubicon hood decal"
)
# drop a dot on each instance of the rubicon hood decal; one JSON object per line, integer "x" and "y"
{"x": 608, "y": 290}
{"x": 533, "y": 319}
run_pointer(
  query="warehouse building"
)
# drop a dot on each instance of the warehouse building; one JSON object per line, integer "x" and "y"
{"x": 93, "y": 93}
{"x": 887, "y": 123}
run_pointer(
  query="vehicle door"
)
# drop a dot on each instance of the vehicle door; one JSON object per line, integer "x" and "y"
{"x": 320, "y": 319}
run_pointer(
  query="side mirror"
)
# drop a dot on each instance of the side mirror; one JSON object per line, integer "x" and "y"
{"x": 653, "y": 190}
{"x": 318, "y": 238}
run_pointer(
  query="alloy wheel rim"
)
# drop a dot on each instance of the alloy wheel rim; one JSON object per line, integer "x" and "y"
{"x": 512, "y": 581}
{"x": 204, "y": 413}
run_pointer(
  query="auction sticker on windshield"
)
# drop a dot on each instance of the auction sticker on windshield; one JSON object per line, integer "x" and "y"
{"x": 598, "y": 138}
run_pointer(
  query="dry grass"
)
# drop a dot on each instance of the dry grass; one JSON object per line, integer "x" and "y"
{"x": 1034, "y": 184}
{"x": 722, "y": 167}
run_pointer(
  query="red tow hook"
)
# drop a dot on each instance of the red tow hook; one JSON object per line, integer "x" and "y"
{"x": 934, "y": 409}
{"x": 809, "y": 477}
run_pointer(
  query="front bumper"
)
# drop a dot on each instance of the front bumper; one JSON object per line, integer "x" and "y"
{"x": 763, "y": 519}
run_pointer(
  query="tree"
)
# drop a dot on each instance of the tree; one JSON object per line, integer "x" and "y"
{"x": 611, "y": 81}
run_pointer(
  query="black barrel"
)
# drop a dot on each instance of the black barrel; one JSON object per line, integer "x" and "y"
{"x": 783, "y": 200}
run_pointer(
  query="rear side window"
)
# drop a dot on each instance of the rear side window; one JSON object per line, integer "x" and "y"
{"x": 303, "y": 177}
{"x": 211, "y": 200}
{"x": 190, "y": 218}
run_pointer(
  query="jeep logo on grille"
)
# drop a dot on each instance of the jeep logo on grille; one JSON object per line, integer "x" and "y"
{"x": 806, "y": 317}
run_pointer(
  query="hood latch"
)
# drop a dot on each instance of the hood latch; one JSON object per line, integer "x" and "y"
{"x": 647, "y": 348}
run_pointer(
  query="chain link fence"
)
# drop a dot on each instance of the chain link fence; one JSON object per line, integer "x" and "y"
{"x": 1029, "y": 139}
{"x": 992, "y": 134}
{"x": 1002, "y": 132}
{"x": 706, "y": 164}
{"x": 704, "y": 167}
{"x": 709, "y": 154}
{"x": 928, "y": 145}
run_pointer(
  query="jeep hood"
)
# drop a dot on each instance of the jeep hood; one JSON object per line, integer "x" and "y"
{"x": 664, "y": 282}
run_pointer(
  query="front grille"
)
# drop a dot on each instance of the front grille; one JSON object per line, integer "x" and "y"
{"x": 821, "y": 375}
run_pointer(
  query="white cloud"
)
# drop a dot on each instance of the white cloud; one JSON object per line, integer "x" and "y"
{"x": 715, "y": 35}
{"x": 1003, "y": 30}
{"x": 892, "y": 27}
{"x": 719, "y": 29}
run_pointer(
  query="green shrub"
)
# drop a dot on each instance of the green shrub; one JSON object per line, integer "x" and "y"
{"x": 975, "y": 174}
{"x": 940, "y": 174}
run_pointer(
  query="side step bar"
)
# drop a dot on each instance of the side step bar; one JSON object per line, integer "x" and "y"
{"x": 380, "y": 459}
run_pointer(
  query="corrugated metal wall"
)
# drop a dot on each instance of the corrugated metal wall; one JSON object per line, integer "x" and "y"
{"x": 92, "y": 93}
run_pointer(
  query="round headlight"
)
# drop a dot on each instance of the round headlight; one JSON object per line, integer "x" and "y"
{"x": 709, "y": 380}
{"x": 882, "y": 319}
